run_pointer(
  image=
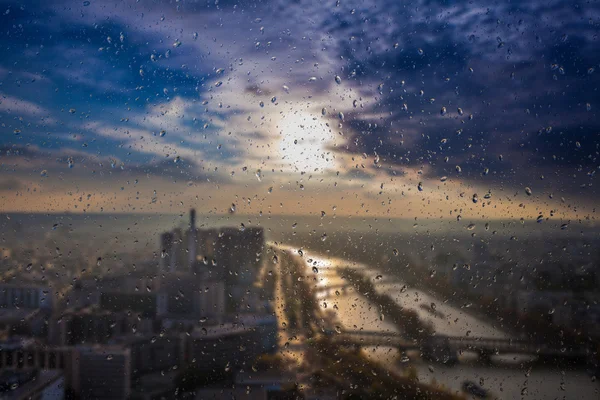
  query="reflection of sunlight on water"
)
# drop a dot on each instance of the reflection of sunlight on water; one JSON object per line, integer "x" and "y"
{"x": 506, "y": 380}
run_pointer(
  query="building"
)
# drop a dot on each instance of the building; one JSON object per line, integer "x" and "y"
{"x": 192, "y": 240}
{"x": 32, "y": 384}
{"x": 91, "y": 325}
{"x": 166, "y": 253}
{"x": 144, "y": 304}
{"x": 154, "y": 353}
{"x": 192, "y": 296}
{"x": 15, "y": 321}
{"x": 30, "y": 354}
{"x": 231, "y": 345}
{"x": 25, "y": 296}
{"x": 104, "y": 372}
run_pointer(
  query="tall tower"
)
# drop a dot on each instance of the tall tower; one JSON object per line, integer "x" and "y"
{"x": 192, "y": 240}
{"x": 193, "y": 219}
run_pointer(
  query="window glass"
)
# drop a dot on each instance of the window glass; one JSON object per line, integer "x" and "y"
{"x": 299, "y": 199}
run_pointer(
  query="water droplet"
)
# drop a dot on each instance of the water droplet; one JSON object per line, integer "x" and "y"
{"x": 338, "y": 80}
{"x": 324, "y": 237}
{"x": 44, "y": 173}
{"x": 420, "y": 52}
{"x": 443, "y": 111}
{"x": 420, "y": 186}
{"x": 273, "y": 99}
{"x": 341, "y": 116}
{"x": 315, "y": 270}
{"x": 475, "y": 198}
{"x": 395, "y": 251}
{"x": 528, "y": 191}
{"x": 458, "y": 169}
{"x": 444, "y": 178}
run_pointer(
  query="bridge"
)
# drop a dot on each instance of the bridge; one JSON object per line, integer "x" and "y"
{"x": 329, "y": 289}
{"x": 447, "y": 347}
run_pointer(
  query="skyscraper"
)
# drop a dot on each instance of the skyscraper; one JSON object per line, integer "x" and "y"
{"x": 192, "y": 240}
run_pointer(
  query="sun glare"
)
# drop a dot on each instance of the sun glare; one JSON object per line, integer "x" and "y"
{"x": 305, "y": 142}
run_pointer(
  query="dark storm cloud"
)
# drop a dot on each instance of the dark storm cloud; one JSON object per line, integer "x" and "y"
{"x": 528, "y": 92}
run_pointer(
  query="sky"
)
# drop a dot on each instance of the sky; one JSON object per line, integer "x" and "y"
{"x": 421, "y": 109}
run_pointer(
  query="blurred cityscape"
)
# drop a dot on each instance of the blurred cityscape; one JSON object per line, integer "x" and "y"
{"x": 224, "y": 313}
{"x": 138, "y": 330}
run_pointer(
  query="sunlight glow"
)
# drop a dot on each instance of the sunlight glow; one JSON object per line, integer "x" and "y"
{"x": 305, "y": 141}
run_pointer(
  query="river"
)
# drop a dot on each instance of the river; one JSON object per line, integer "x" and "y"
{"x": 506, "y": 377}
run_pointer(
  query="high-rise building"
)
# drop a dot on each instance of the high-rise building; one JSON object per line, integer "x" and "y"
{"x": 192, "y": 240}
{"x": 196, "y": 298}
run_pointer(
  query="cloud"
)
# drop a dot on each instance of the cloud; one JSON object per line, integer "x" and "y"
{"x": 18, "y": 107}
{"x": 242, "y": 88}
{"x": 10, "y": 184}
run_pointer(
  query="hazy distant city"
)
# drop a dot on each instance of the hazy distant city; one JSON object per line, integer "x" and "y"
{"x": 243, "y": 310}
